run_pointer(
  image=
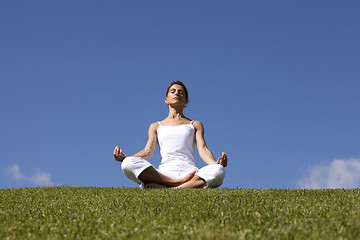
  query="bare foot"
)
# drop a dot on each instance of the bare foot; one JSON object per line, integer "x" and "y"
{"x": 151, "y": 177}
{"x": 195, "y": 182}
{"x": 188, "y": 177}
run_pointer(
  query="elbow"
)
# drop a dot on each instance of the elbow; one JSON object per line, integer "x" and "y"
{"x": 148, "y": 152}
{"x": 204, "y": 151}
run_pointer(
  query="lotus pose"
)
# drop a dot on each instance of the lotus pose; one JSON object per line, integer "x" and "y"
{"x": 176, "y": 136}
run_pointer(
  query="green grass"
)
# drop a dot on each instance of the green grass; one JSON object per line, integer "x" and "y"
{"x": 129, "y": 213}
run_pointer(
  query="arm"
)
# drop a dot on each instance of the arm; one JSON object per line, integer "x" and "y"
{"x": 150, "y": 147}
{"x": 147, "y": 152}
{"x": 204, "y": 152}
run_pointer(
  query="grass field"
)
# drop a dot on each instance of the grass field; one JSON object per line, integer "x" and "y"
{"x": 129, "y": 213}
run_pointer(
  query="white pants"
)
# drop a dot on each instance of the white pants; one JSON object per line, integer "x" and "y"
{"x": 212, "y": 174}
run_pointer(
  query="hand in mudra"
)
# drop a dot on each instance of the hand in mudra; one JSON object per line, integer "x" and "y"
{"x": 118, "y": 154}
{"x": 222, "y": 160}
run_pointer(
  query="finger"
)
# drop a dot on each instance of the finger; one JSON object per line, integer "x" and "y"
{"x": 225, "y": 163}
{"x": 116, "y": 149}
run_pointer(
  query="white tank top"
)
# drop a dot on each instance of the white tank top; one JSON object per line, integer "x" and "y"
{"x": 177, "y": 146}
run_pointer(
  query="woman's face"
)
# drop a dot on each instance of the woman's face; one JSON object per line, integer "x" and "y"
{"x": 176, "y": 95}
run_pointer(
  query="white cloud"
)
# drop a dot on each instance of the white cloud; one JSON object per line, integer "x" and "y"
{"x": 14, "y": 172}
{"x": 340, "y": 173}
{"x": 40, "y": 178}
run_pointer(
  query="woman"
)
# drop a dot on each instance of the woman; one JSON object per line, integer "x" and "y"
{"x": 176, "y": 136}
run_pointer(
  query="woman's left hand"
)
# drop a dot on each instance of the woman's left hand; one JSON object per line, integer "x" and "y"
{"x": 222, "y": 160}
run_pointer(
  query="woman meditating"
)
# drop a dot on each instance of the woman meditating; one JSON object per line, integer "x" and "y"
{"x": 176, "y": 136}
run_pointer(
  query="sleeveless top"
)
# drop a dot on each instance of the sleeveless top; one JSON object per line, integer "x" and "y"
{"x": 177, "y": 146}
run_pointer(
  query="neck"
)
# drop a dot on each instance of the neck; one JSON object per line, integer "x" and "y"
{"x": 175, "y": 112}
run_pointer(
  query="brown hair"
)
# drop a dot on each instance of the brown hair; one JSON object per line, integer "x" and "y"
{"x": 181, "y": 84}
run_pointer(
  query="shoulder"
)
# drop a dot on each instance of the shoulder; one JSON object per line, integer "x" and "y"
{"x": 198, "y": 125}
{"x": 154, "y": 126}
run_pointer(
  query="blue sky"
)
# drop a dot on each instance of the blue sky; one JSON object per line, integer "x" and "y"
{"x": 275, "y": 83}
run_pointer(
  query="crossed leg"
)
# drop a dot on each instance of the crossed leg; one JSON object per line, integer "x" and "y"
{"x": 138, "y": 169}
{"x": 151, "y": 176}
{"x": 195, "y": 182}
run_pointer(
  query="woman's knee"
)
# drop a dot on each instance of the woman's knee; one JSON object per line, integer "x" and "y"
{"x": 127, "y": 164}
{"x": 213, "y": 174}
{"x": 220, "y": 171}
{"x": 133, "y": 167}
{"x": 219, "y": 175}
{"x": 217, "y": 170}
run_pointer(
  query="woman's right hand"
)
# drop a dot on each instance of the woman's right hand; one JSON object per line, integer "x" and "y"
{"x": 118, "y": 154}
